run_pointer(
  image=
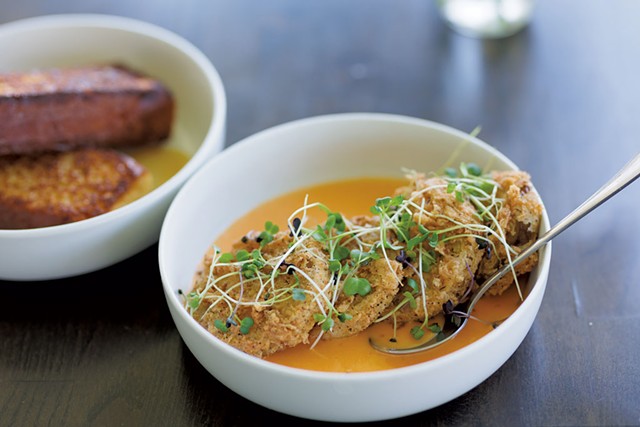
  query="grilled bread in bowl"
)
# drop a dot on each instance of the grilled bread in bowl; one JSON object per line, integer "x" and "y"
{"x": 59, "y": 188}
{"x": 310, "y": 152}
{"x": 197, "y": 134}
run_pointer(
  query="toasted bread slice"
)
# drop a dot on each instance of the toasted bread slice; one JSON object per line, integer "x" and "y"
{"x": 58, "y": 188}
{"x": 99, "y": 106}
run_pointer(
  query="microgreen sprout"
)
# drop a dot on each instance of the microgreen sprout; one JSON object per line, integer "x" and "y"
{"x": 298, "y": 294}
{"x": 417, "y": 332}
{"x": 343, "y": 317}
{"x": 222, "y": 326}
{"x": 226, "y": 258}
{"x": 356, "y": 285}
{"x": 325, "y": 322}
{"x": 266, "y": 236}
{"x": 245, "y": 325}
{"x": 192, "y": 299}
{"x": 437, "y": 330}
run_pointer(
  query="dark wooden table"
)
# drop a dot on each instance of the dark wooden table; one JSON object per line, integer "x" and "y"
{"x": 562, "y": 99}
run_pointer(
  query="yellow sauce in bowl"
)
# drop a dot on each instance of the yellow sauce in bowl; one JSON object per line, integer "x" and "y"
{"x": 162, "y": 162}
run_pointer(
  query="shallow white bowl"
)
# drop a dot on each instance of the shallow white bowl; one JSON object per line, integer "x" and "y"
{"x": 198, "y": 130}
{"x": 303, "y": 153}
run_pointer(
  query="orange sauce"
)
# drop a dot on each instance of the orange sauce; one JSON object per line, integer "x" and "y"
{"x": 162, "y": 162}
{"x": 354, "y": 354}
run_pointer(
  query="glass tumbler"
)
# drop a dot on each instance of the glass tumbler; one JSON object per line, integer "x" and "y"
{"x": 486, "y": 18}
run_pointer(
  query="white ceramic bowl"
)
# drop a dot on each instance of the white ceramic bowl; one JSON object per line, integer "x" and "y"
{"x": 297, "y": 156}
{"x": 198, "y": 130}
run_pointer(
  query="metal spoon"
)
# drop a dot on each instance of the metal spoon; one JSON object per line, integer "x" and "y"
{"x": 451, "y": 328}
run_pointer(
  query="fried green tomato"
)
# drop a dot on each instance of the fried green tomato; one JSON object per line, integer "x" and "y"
{"x": 279, "y": 320}
{"x": 519, "y": 221}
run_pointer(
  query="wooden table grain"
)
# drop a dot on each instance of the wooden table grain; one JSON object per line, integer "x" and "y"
{"x": 561, "y": 98}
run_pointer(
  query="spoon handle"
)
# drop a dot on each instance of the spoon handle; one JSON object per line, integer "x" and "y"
{"x": 624, "y": 177}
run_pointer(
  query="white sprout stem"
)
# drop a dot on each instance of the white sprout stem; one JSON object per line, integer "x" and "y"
{"x": 423, "y": 284}
{"x": 317, "y": 287}
{"x": 317, "y": 340}
{"x": 470, "y": 226}
{"x": 210, "y": 275}
{"x": 287, "y": 253}
{"x": 362, "y": 231}
{"x": 221, "y": 298}
{"x": 507, "y": 248}
{"x": 386, "y": 257}
{"x": 392, "y": 312}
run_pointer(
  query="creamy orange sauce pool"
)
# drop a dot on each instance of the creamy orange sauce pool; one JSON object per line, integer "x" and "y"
{"x": 162, "y": 162}
{"x": 354, "y": 354}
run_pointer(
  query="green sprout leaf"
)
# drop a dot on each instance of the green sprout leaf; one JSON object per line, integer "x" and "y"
{"x": 383, "y": 202}
{"x": 266, "y": 236}
{"x": 486, "y": 186}
{"x": 226, "y": 257}
{"x": 433, "y": 240}
{"x": 356, "y": 255}
{"x": 413, "y": 285}
{"x": 242, "y": 255}
{"x": 334, "y": 221}
{"x": 251, "y": 269}
{"x": 245, "y": 325}
{"x": 435, "y": 328}
{"x": 417, "y": 332}
{"x": 193, "y": 300}
{"x": 359, "y": 257}
{"x": 428, "y": 260}
{"x": 331, "y": 221}
{"x": 298, "y": 294}
{"x": 345, "y": 269}
{"x": 320, "y": 235}
{"x": 340, "y": 253}
{"x": 474, "y": 169}
{"x": 424, "y": 235}
{"x": 356, "y": 285}
{"x": 327, "y": 324}
{"x": 404, "y": 226}
{"x": 397, "y": 200}
{"x": 270, "y": 227}
{"x": 222, "y": 326}
{"x": 411, "y": 299}
{"x": 343, "y": 317}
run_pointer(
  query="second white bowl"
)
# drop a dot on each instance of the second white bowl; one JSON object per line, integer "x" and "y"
{"x": 198, "y": 130}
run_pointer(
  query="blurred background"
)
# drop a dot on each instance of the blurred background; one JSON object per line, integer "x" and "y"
{"x": 561, "y": 98}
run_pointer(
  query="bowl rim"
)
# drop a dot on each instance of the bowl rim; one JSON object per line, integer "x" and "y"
{"x": 534, "y": 297}
{"x": 217, "y": 121}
